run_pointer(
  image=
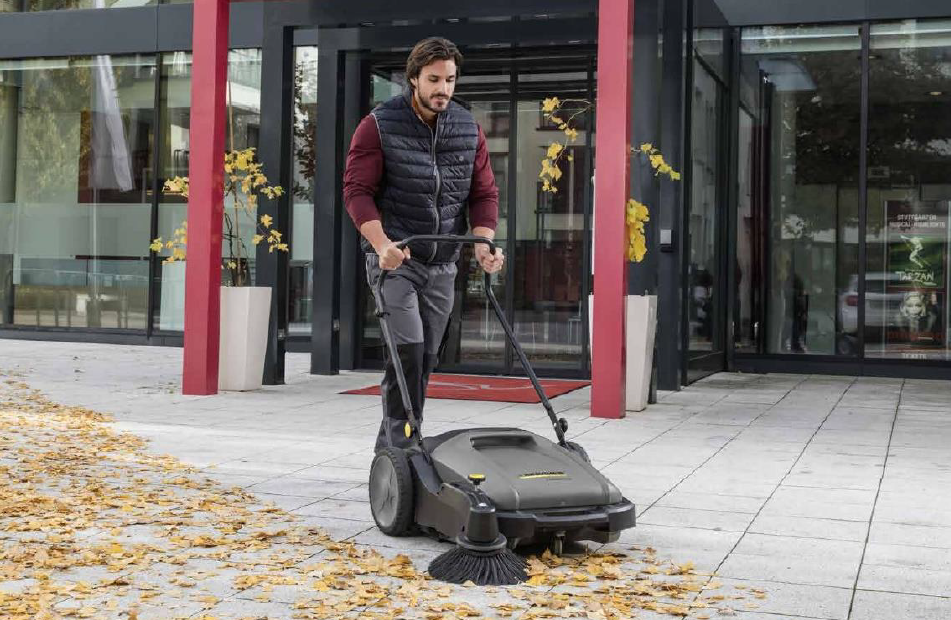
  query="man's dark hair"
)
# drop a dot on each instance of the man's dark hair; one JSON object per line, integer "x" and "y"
{"x": 429, "y": 51}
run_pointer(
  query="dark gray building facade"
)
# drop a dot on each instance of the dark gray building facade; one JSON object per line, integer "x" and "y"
{"x": 810, "y": 230}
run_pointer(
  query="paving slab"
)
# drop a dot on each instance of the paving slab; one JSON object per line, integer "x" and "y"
{"x": 886, "y": 605}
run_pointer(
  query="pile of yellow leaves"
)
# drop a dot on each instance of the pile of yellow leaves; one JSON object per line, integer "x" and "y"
{"x": 92, "y": 525}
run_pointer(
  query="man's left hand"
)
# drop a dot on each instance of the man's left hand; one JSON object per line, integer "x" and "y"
{"x": 491, "y": 263}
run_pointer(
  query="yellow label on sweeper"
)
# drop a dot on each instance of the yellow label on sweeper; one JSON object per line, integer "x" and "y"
{"x": 543, "y": 474}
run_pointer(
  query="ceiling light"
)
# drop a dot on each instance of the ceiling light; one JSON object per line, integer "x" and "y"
{"x": 936, "y": 93}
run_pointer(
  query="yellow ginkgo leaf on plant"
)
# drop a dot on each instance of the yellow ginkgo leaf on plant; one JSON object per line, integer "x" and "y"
{"x": 546, "y": 169}
{"x": 554, "y": 149}
{"x": 156, "y": 245}
{"x": 549, "y": 104}
{"x": 257, "y": 239}
{"x": 267, "y": 220}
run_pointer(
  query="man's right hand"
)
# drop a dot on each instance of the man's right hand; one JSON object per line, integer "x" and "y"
{"x": 391, "y": 256}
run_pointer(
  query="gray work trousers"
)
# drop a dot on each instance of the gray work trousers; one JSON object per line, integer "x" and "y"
{"x": 418, "y": 299}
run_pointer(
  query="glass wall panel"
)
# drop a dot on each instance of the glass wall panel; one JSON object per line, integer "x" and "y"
{"x": 703, "y": 232}
{"x": 748, "y": 246}
{"x": 244, "y": 119}
{"x": 708, "y": 45}
{"x": 909, "y": 192}
{"x": 75, "y": 190}
{"x": 57, "y": 5}
{"x": 548, "y": 265}
{"x": 303, "y": 160}
{"x": 812, "y": 109}
{"x": 476, "y": 336}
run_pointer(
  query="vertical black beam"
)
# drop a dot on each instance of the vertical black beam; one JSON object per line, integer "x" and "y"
{"x": 158, "y": 143}
{"x": 863, "y": 186}
{"x": 277, "y": 87}
{"x": 765, "y": 227}
{"x": 733, "y": 192}
{"x": 328, "y": 206}
{"x": 511, "y": 211}
{"x": 673, "y": 141}
{"x": 687, "y": 197}
{"x": 351, "y": 280}
{"x": 586, "y": 272}
{"x": 642, "y": 277}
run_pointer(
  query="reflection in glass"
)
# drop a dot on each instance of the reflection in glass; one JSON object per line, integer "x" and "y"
{"x": 57, "y": 5}
{"x": 549, "y": 235}
{"x": 75, "y": 190}
{"x": 303, "y": 167}
{"x": 708, "y": 45}
{"x": 909, "y": 194}
{"x": 702, "y": 229}
{"x": 244, "y": 119}
{"x": 812, "y": 102}
{"x": 475, "y": 333}
{"x": 748, "y": 246}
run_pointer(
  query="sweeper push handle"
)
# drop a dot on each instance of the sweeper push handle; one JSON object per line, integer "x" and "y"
{"x": 473, "y": 239}
{"x": 381, "y": 313}
{"x": 555, "y": 422}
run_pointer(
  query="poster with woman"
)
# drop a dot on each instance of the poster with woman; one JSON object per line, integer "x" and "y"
{"x": 916, "y": 245}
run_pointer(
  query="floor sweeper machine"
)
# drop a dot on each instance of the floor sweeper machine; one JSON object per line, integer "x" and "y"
{"x": 489, "y": 490}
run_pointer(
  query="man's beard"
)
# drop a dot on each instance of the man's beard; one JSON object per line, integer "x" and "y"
{"x": 428, "y": 103}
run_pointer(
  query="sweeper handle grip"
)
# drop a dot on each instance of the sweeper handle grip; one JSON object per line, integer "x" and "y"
{"x": 457, "y": 239}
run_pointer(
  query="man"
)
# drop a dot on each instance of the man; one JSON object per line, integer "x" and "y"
{"x": 418, "y": 164}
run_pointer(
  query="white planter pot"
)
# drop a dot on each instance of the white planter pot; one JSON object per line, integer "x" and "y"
{"x": 172, "y": 307}
{"x": 640, "y": 329}
{"x": 245, "y": 311}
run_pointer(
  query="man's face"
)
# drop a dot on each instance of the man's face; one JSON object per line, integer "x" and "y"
{"x": 435, "y": 85}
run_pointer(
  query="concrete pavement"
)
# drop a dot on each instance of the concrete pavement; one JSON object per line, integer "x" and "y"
{"x": 829, "y": 494}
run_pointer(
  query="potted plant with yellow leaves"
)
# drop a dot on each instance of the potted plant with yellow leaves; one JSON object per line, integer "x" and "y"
{"x": 245, "y": 309}
{"x": 641, "y": 310}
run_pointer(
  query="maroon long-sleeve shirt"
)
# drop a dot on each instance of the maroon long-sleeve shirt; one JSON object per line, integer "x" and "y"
{"x": 364, "y": 171}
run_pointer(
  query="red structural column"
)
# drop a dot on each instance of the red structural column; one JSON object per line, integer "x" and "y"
{"x": 612, "y": 182}
{"x": 205, "y": 201}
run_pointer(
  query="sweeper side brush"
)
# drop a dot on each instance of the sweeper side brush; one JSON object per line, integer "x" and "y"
{"x": 481, "y": 554}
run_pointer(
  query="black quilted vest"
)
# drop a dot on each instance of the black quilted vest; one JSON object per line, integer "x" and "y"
{"x": 427, "y": 174}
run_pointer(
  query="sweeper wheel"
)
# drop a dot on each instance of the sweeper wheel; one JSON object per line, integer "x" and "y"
{"x": 391, "y": 492}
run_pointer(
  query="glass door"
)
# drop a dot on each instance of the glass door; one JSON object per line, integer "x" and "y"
{"x": 705, "y": 277}
{"x": 550, "y": 238}
{"x": 907, "y": 274}
{"x": 802, "y": 180}
{"x": 544, "y": 234}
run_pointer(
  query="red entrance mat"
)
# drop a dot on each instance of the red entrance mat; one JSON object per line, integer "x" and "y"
{"x": 476, "y": 387}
